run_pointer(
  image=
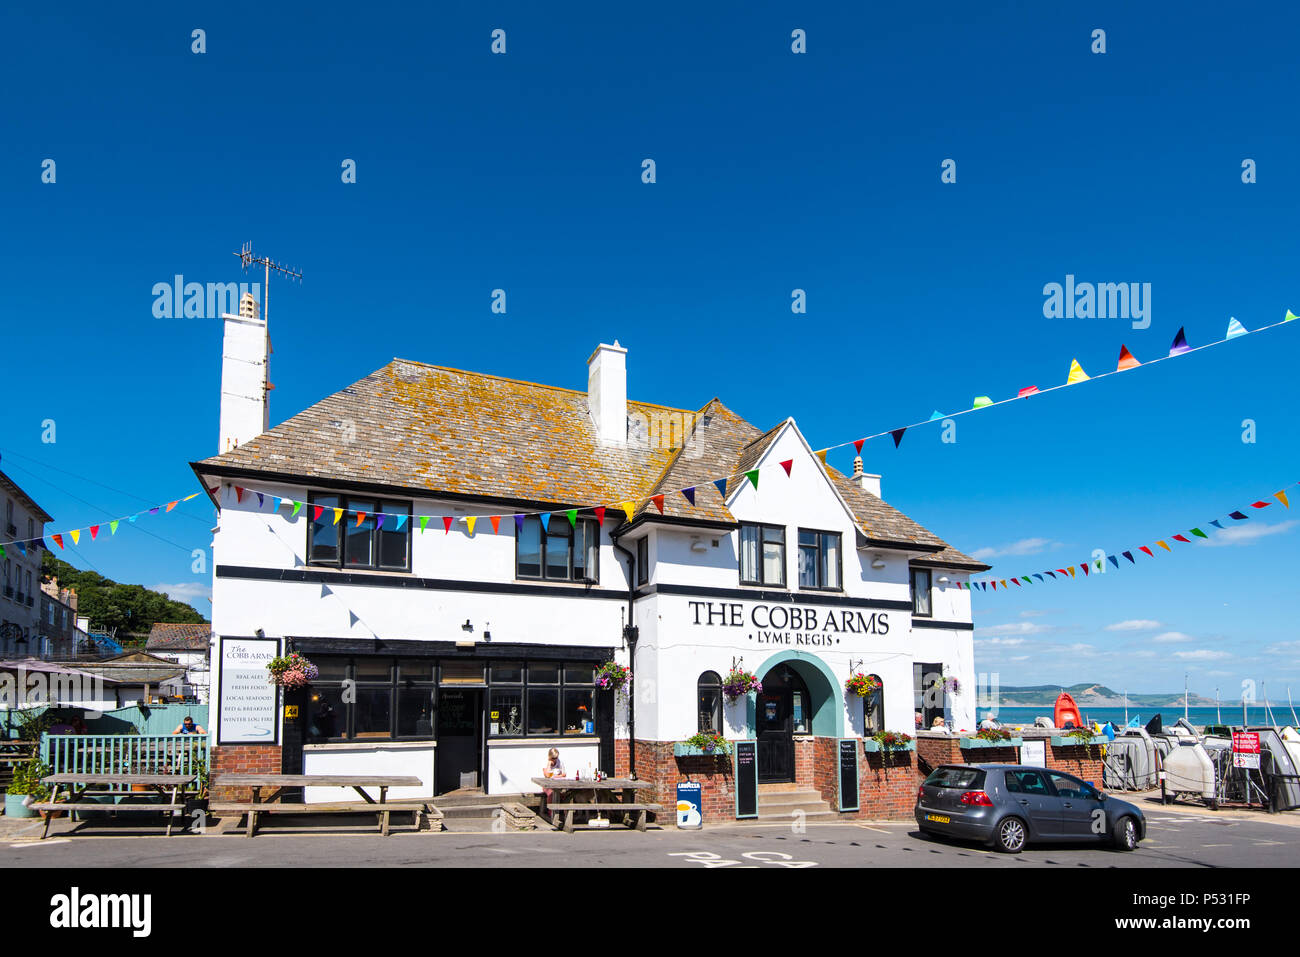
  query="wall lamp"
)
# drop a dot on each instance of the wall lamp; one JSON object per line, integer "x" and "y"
{"x": 877, "y": 563}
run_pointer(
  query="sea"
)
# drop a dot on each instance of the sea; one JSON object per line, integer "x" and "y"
{"x": 1230, "y": 714}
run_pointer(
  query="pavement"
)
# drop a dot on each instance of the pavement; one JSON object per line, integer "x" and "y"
{"x": 1179, "y": 836}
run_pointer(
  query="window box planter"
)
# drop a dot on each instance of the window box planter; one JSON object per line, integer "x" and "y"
{"x": 966, "y": 743}
{"x": 691, "y": 751}
{"x": 1065, "y": 741}
{"x": 872, "y": 747}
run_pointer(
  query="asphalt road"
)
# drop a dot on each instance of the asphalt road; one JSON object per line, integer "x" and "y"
{"x": 1175, "y": 840}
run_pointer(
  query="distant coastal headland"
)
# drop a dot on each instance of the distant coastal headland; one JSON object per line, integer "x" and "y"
{"x": 1093, "y": 696}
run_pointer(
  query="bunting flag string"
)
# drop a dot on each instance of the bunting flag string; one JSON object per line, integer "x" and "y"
{"x": 1075, "y": 376}
{"x": 22, "y": 544}
{"x": 1098, "y": 564}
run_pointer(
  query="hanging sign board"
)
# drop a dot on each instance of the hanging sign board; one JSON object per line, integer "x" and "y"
{"x": 849, "y": 774}
{"x": 746, "y": 774}
{"x": 246, "y": 699}
{"x": 1245, "y": 749}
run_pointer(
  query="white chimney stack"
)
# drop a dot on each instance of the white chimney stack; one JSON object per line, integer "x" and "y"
{"x": 245, "y": 359}
{"x": 866, "y": 481}
{"x": 607, "y": 392}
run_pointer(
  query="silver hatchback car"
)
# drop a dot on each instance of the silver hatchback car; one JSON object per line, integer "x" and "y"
{"x": 1009, "y": 805}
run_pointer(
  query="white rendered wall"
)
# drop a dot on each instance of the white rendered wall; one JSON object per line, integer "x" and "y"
{"x": 368, "y": 758}
{"x": 512, "y": 764}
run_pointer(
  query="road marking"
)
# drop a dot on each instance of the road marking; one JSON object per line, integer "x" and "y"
{"x": 1265, "y": 843}
{"x": 868, "y": 827}
{"x": 57, "y": 840}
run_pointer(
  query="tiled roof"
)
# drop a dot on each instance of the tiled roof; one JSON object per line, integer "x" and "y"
{"x": 178, "y": 636}
{"x": 418, "y": 426}
{"x": 464, "y": 434}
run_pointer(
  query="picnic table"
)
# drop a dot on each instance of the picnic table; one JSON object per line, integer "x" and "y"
{"x": 273, "y": 803}
{"x": 171, "y": 787}
{"x": 614, "y": 795}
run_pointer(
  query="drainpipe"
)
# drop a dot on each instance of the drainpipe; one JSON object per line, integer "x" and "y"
{"x": 630, "y": 633}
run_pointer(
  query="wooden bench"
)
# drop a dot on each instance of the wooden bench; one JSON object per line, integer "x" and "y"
{"x": 171, "y": 790}
{"x": 634, "y": 815}
{"x": 279, "y": 783}
{"x": 251, "y": 810}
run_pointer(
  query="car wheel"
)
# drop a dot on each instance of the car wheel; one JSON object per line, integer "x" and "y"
{"x": 1125, "y": 834}
{"x": 1011, "y": 835}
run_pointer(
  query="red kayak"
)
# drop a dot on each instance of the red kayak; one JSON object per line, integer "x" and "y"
{"x": 1067, "y": 712}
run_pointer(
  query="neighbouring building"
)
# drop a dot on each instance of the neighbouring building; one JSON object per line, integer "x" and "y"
{"x": 61, "y": 637}
{"x": 459, "y": 553}
{"x": 22, "y": 532}
{"x": 186, "y": 644}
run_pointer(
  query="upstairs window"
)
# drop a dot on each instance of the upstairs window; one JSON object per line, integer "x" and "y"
{"x": 359, "y": 544}
{"x": 762, "y": 555}
{"x": 643, "y": 560}
{"x": 560, "y": 552}
{"x": 819, "y": 559}
{"x": 921, "y": 604}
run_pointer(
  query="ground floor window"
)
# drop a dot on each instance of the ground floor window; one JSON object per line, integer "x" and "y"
{"x": 541, "y": 698}
{"x": 873, "y": 708}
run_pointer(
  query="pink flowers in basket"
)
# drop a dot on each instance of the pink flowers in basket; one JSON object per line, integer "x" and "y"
{"x": 292, "y": 671}
{"x": 739, "y": 683}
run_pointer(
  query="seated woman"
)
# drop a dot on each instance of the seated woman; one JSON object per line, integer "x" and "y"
{"x": 554, "y": 769}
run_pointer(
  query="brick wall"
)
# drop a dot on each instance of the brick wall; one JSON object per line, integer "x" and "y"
{"x": 243, "y": 759}
{"x": 1083, "y": 761}
{"x": 887, "y": 783}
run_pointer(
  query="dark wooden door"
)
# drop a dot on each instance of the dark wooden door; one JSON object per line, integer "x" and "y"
{"x": 775, "y": 726}
{"x": 460, "y": 722}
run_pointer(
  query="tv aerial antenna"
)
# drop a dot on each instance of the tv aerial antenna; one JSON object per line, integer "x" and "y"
{"x": 247, "y": 258}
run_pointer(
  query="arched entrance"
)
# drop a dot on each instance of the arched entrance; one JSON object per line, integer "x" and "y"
{"x": 781, "y": 711}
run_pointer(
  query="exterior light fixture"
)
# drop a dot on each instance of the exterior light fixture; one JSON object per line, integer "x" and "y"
{"x": 467, "y": 626}
{"x": 877, "y": 562}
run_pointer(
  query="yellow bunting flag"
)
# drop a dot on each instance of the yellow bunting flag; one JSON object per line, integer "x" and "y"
{"x": 1076, "y": 373}
{"x": 1281, "y": 497}
{"x": 1165, "y": 545}
{"x": 338, "y": 514}
{"x": 1071, "y": 571}
{"x": 822, "y": 455}
{"x": 469, "y": 523}
{"x": 629, "y": 508}
{"x": 76, "y": 536}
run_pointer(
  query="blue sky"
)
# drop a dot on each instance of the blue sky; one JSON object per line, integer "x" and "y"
{"x": 775, "y": 171}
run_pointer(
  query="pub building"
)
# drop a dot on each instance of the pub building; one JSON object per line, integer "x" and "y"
{"x": 459, "y": 639}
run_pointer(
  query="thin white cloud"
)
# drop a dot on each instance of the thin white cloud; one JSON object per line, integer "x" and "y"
{"x": 189, "y": 592}
{"x": 1247, "y": 534}
{"x": 1013, "y": 628}
{"x": 1283, "y": 648}
{"x": 1004, "y": 642}
{"x": 1201, "y": 654}
{"x": 1172, "y": 636}
{"x": 1026, "y": 546}
{"x": 1134, "y": 624}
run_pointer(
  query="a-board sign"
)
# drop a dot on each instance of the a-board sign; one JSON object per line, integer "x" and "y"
{"x": 690, "y": 805}
{"x": 849, "y": 774}
{"x": 746, "y": 772}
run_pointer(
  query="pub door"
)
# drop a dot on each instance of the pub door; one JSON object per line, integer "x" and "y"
{"x": 460, "y": 739}
{"x": 782, "y": 711}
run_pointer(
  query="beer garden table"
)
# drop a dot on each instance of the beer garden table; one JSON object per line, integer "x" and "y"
{"x": 167, "y": 786}
{"x": 619, "y": 795}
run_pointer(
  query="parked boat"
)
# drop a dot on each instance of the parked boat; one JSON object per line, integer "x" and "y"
{"x": 1066, "y": 713}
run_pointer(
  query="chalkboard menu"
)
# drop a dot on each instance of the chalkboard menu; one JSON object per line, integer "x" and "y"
{"x": 848, "y": 774}
{"x": 746, "y": 779}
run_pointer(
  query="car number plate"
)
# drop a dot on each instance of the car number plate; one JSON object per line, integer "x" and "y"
{"x": 938, "y": 818}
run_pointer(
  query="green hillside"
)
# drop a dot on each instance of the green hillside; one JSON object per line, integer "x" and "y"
{"x": 131, "y": 609}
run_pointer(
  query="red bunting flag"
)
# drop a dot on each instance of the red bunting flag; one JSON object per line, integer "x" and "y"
{"x": 1260, "y": 504}
{"x": 361, "y": 517}
{"x": 239, "y": 494}
{"x": 858, "y": 445}
{"x": 1062, "y": 571}
{"x": 787, "y": 465}
{"x": 315, "y": 512}
{"x": 1027, "y": 390}
{"x": 446, "y": 524}
{"x": 659, "y": 502}
{"x": 600, "y": 514}
{"x": 1085, "y": 569}
{"x": 1180, "y": 538}
{"x": 1147, "y": 550}
{"x": 496, "y": 522}
{"x": 94, "y": 530}
{"x": 58, "y": 540}
{"x": 1126, "y": 360}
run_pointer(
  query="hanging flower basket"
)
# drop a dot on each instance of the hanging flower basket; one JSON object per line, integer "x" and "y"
{"x": 292, "y": 671}
{"x": 612, "y": 675}
{"x": 952, "y": 686}
{"x": 739, "y": 683}
{"x": 861, "y": 685}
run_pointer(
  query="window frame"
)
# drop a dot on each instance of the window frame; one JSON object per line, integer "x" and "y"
{"x": 643, "y": 560}
{"x": 376, "y": 533}
{"x": 874, "y": 704}
{"x": 929, "y": 592}
{"x": 821, "y": 564}
{"x": 568, "y": 532}
{"x": 561, "y": 685}
{"x": 763, "y": 529}
{"x": 709, "y": 681}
